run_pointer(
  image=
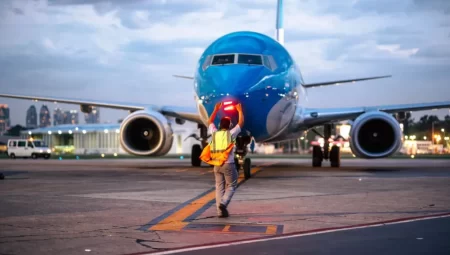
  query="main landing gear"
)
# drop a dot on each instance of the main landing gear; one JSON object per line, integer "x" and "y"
{"x": 240, "y": 161}
{"x": 333, "y": 155}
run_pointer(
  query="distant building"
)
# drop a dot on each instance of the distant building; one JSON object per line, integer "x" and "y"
{"x": 61, "y": 117}
{"x": 58, "y": 117}
{"x": 93, "y": 117}
{"x": 44, "y": 117}
{"x": 31, "y": 119}
{"x": 5, "y": 121}
{"x": 103, "y": 138}
{"x": 71, "y": 117}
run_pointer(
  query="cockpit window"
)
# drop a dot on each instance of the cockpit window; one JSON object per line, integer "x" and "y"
{"x": 207, "y": 62}
{"x": 223, "y": 59}
{"x": 249, "y": 59}
{"x": 269, "y": 62}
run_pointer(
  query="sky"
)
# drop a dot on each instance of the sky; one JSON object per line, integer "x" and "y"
{"x": 127, "y": 51}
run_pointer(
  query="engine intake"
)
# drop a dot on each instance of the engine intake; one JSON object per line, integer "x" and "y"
{"x": 146, "y": 133}
{"x": 375, "y": 135}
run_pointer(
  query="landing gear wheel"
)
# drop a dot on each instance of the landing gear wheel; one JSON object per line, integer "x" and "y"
{"x": 335, "y": 157}
{"x": 317, "y": 156}
{"x": 247, "y": 167}
{"x": 236, "y": 164}
{"x": 195, "y": 155}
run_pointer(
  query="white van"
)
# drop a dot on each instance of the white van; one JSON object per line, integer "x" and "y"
{"x": 24, "y": 148}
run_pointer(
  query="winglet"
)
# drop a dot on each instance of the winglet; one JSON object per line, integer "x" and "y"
{"x": 311, "y": 85}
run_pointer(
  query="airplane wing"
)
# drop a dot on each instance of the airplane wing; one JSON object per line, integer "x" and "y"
{"x": 186, "y": 113}
{"x": 327, "y": 83}
{"x": 319, "y": 116}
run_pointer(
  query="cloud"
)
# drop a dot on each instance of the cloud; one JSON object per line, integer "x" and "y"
{"x": 129, "y": 50}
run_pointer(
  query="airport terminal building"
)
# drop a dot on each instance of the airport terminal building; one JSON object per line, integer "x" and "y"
{"x": 84, "y": 139}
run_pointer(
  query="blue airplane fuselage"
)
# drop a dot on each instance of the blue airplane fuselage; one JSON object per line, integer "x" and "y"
{"x": 268, "y": 93}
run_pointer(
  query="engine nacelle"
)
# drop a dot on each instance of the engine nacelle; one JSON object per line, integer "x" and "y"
{"x": 84, "y": 108}
{"x": 375, "y": 135}
{"x": 146, "y": 133}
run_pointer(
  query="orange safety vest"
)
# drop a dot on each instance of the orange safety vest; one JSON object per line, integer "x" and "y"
{"x": 218, "y": 150}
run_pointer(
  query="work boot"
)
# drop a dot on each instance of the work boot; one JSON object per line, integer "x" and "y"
{"x": 224, "y": 211}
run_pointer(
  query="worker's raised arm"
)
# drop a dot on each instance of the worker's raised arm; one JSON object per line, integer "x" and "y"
{"x": 241, "y": 115}
{"x": 213, "y": 115}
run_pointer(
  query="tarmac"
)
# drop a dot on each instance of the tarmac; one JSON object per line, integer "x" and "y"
{"x": 165, "y": 206}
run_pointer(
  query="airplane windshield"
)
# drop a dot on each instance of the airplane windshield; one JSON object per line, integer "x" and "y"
{"x": 223, "y": 59}
{"x": 249, "y": 59}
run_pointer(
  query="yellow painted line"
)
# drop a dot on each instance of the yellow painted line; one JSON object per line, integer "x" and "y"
{"x": 271, "y": 230}
{"x": 226, "y": 228}
{"x": 175, "y": 222}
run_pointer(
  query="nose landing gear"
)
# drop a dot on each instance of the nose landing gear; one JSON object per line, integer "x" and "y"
{"x": 333, "y": 155}
{"x": 240, "y": 161}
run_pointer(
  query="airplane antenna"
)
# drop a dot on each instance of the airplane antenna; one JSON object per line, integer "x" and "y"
{"x": 279, "y": 25}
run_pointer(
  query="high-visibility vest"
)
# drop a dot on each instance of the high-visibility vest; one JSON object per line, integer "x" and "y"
{"x": 217, "y": 152}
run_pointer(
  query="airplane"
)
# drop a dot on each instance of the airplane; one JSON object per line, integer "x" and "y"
{"x": 258, "y": 72}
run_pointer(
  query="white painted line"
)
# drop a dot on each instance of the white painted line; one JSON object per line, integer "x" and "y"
{"x": 291, "y": 236}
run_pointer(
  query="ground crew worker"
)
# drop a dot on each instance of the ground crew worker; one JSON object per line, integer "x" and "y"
{"x": 225, "y": 174}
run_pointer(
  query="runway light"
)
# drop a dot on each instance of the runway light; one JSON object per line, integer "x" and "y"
{"x": 115, "y": 154}
{"x": 103, "y": 155}
{"x": 412, "y": 156}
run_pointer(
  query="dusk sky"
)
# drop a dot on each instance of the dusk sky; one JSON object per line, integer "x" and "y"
{"x": 127, "y": 50}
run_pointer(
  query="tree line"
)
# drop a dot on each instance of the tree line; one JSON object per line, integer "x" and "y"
{"x": 424, "y": 126}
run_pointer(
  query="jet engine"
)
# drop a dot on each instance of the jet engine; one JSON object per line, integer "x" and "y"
{"x": 146, "y": 133}
{"x": 375, "y": 135}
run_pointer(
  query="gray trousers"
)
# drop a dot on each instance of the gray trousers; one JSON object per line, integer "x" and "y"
{"x": 226, "y": 182}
